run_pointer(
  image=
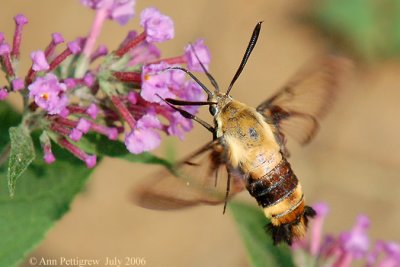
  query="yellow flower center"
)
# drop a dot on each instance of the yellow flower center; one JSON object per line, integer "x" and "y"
{"x": 45, "y": 96}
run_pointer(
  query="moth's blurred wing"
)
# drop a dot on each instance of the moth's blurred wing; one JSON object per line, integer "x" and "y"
{"x": 200, "y": 178}
{"x": 306, "y": 98}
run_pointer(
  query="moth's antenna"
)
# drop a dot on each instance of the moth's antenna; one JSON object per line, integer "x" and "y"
{"x": 250, "y": 46}
{"x": 209, "y": 94}
{"x": 209, "y": 76}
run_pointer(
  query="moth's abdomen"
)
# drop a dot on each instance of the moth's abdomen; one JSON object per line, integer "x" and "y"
{"x": 279, "y": 192}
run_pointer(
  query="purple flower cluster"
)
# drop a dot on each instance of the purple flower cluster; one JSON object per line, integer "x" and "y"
{"x": 120, "y": 96}
{"x": 344, "y": 249}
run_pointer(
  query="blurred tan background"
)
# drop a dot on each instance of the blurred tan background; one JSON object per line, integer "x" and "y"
{"x": 353, "y": 164}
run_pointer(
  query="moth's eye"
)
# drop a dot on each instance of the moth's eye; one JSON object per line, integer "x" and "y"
{"x": 213, "y": 110}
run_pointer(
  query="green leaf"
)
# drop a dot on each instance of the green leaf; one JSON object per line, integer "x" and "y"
{"x": 102, "y": 146}
{"x": 8, "y": 117}
{"x": 21, "y": 155}
{"x": 260, "y": 249}
{"x": 43, "y": 197}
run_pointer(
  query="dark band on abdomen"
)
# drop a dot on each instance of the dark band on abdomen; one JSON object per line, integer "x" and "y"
{"x": 274, "y": 186}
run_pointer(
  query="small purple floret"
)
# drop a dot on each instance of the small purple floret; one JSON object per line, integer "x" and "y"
{"x": 75, "y": 135}
{"x": 20, "y": 19}
{"x": 321, "y": 209}
{"x": 141, "y": 140}
{"x": 57, "y": 38}
{"x": 356, "y": 241}
{"x": 100, "y": 51}
{"x": 17, "y": 84}
{"x": 3, "y": 94}
{"x": 155, "y": 81}
{"x": 132, "y": 97}
{"x": 49, "y": 158}
{"x": 123, "y": 11}
{"x": 143, "y": 53}
{"x": 112, "y": 133}
{"x": 89, "y": 79}
{"x": 39, "y": 61}
{"x": 70, "y": 83}
{"x": 201, "y": 50}
{"x": 74, "y": 47}
{"x": 158, "y": 27}
{"x": 48, "y": 93}
{"x": 64, "y": 113}
{"x": 91, "y": 161}
{"x": 119, "y": 10}
{"x": 92, "y": 111}
{"x": 83, "y": 125}
{"x": 145, "y": 136}
{"x": 179, "y": 125}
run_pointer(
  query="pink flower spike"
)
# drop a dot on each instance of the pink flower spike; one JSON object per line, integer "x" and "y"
{"x": 322, "y": 210}
{"x": 18, "y": 84}
{"x": 5, "y": 55}
{"x": 83, "y": 125}
{"x": 354, "y": 244}
{"x": 201, "y": 50}
{"x": 39, "y": 61}
{"x": 392, "y": 253}
{"x": 3, "y": 94}
{"x": 56, "y": 38}
{"x": 1, "y": 37}
{"x": 158, "y": 27}
{"x": 92, "y": 111}
{"x": 20, "y": 21}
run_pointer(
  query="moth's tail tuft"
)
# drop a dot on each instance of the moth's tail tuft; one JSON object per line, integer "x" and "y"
{"x": 291, "y": 231}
